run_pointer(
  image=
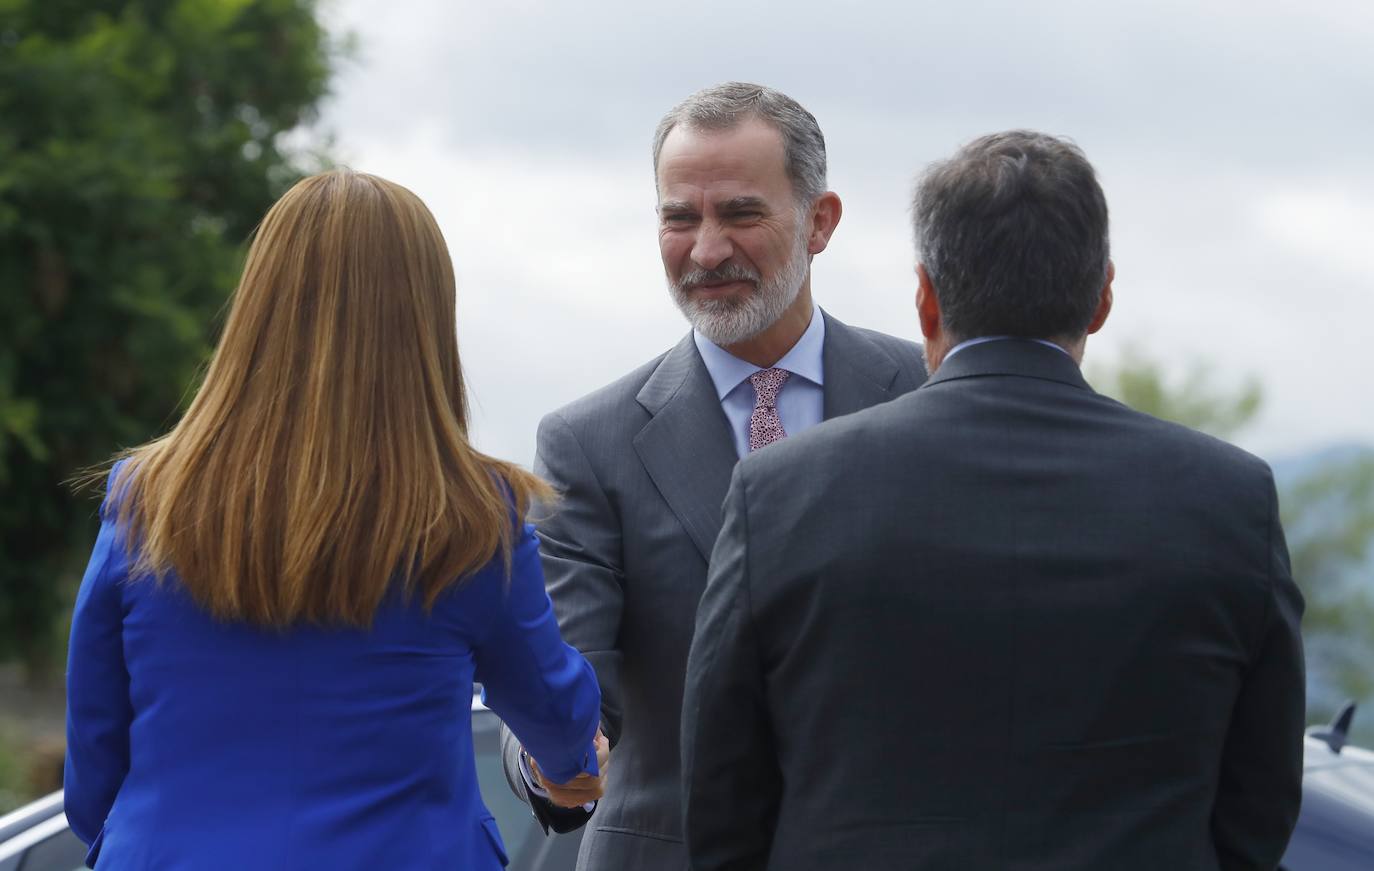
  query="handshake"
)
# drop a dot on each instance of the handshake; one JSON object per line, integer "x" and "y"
{"x": 582, "y": 789}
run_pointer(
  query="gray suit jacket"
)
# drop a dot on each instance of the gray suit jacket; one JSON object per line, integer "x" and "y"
{"x": 644, "y": 465}
{"x": 1004, "y": 623}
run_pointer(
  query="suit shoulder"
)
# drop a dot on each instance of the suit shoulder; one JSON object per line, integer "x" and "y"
{"x": 908, "y": 355}
{"x": 904, "y": 351}
{"x": 1219, "y": 453}
{"x": 903, "y": 348}
{"x": 822, "y": 450}
{"x": 610, "y": 399}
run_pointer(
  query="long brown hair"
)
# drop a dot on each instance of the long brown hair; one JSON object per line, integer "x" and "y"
{"x": 325, "y": 457}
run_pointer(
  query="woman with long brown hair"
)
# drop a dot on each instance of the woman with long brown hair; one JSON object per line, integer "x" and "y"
{"x": 273, "y": 649}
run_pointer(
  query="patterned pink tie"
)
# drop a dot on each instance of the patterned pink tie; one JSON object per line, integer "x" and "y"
{"x": 765, "y": 427}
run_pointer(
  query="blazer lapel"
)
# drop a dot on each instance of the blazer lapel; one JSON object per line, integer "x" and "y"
{"x": 858, "y": 374}
{"x": 686, "y": 446}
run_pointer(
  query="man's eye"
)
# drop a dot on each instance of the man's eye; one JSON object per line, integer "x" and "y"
{"x": 676, "y": 219}
{"x": 747, "y": 216}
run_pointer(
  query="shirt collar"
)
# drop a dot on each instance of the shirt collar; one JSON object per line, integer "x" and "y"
{"x": 804, "y": 359}
{"x": 968, "y": 343}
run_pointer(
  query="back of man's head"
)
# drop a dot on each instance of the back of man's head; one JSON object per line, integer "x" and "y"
{"x": 1012, "y": 232}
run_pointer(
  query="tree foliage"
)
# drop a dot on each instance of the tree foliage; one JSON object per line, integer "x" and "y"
{"x": 1194, "y": 401}
{"x": 141, "y": 143}
{"x": 1328, "y": 517}
{"x": 1328, "y": 514}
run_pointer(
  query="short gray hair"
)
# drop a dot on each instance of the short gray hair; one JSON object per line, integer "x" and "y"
{"x": 723, "y": 107}
{"x": 1012, "y": 231}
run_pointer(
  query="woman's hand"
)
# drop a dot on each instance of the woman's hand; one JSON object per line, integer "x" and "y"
{"x": 582, "y": 789}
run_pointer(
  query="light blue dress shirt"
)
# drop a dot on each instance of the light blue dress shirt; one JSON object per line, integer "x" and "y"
{"x": 801, "y": 401}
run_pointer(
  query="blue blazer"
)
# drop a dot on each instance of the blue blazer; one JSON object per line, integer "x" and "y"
{"x": 197, "y": 744}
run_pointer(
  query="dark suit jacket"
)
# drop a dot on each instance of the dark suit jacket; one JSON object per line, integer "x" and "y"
{"x": 1002, "y": 622}
{"x": 644, "y": 465}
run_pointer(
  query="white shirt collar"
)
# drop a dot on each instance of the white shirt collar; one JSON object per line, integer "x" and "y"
{"x": 968, "y": 343}
{"x": 804, "y": 358}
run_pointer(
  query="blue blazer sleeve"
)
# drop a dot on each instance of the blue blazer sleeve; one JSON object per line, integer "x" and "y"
{"x": 98, "y": 707}
{"x": 542, "y": 688}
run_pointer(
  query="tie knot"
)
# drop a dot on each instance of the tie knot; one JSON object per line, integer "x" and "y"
{"x": 767, "y": 383}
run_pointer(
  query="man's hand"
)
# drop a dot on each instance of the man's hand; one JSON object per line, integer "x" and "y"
{"x": 583, "y": 788}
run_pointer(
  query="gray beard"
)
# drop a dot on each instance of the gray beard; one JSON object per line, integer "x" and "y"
{"x": 731, "y": 321}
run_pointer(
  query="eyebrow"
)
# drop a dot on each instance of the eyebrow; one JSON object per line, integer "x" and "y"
{"x": 735, "y": 204}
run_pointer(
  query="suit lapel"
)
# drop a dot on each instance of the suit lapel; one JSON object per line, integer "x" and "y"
{"x": 858, "y": 374}
{"x": 686, "y": 447}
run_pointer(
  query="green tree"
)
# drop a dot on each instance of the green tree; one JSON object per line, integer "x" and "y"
{"x": 1328, "y": 517}
{"x": 141, "y": 142}
{"x": 1328, "y": 514}
{"x": 1193, "y": 400}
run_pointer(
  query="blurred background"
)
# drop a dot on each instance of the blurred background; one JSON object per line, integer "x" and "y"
{"x": 140, "y": 143}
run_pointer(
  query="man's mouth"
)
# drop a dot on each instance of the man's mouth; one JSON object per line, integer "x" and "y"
{"x": 717, "y": 288}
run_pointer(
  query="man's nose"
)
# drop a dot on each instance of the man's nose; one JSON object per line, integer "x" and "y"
{"x": 712, "y": 247}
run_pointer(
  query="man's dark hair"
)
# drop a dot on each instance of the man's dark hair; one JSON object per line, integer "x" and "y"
{"x": 1012, "y": 231}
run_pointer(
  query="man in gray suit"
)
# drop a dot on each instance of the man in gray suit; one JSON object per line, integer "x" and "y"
{"x": 1003, "y": 622}
{"x": 643, "y": 464}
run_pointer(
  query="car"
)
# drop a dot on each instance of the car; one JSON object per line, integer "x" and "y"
{"x": 1335, "y": 831}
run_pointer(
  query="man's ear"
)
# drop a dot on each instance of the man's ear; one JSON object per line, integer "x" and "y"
{"x": 825, "y": 217}
{"x": 1104, "y": 303}
{"x": 927, "y": 305}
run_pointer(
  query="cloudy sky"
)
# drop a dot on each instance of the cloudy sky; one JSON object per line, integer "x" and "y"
{"x": 1235, "y": 142}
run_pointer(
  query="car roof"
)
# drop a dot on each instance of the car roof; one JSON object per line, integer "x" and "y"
{"x": 25, "y": 817}
{"x": 1317, "y": 756}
